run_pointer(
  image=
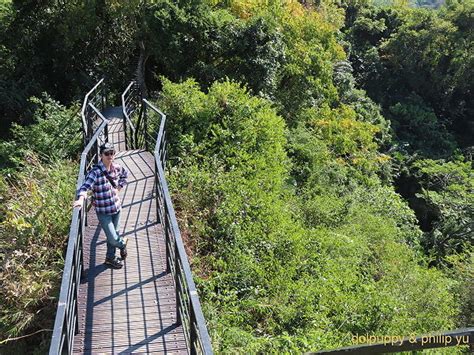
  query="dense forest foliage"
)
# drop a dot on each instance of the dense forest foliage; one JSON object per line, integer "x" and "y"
{"x": 320, "y": 158}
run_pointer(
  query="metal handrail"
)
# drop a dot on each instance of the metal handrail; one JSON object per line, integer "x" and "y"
{"x": 66, "y": 323}
{"x": 189, "y": 312}
{"x": 86, "y": 122}
{"x": 160, "y": 138}
{"x": 127, "y": 121}
{"x": 138, "y": 136}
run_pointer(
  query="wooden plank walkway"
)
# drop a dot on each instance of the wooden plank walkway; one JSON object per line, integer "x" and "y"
{"x": 131, "y": 310}
{"x": 115, "y": 127}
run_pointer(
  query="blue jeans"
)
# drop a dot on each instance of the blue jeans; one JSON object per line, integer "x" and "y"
{"x": 110, "y": 223}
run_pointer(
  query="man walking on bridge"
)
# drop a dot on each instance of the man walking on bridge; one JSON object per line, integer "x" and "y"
{"x": 105, "y": 180}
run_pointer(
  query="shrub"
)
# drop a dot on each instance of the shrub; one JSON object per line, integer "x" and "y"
{"x": 55, "y": 134}
{"x": 269, "y": 279}
{"x": 33, "y": 234}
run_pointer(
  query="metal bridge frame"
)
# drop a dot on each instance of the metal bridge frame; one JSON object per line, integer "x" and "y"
{"x": 189, "y": 312}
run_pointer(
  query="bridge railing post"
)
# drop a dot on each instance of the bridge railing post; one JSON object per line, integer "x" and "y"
{"x": 168, "y": 242}
{"x": 145, "y": 126}
{"x": 82, "y": 228}
{"x": 178, "y": 289}
{"x": 193, "y": 339}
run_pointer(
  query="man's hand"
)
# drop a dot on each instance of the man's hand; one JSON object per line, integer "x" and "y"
{"x": 79, "y": 202}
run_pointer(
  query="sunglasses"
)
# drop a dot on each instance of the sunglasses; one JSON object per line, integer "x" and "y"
{"x": 109, "y": 153}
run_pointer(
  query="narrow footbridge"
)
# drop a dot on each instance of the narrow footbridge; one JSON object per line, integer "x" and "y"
{"x": 150, "y": 305}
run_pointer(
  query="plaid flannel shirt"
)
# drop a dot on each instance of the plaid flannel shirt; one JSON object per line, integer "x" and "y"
{"x": 106, "y": 199}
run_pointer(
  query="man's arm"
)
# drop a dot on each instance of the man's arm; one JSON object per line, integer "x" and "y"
{"x": 122, "y": 178}
{"x": 86, "y": 186}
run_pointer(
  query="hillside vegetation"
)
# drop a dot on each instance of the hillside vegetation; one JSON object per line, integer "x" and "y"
{"x": 320, "y": 159}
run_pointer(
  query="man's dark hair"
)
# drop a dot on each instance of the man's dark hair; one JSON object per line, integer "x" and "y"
{"x": 106, "y": 147}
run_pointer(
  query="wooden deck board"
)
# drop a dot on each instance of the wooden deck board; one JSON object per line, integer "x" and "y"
{"x": 131, "y": 310}
{"x": 115, "y": 127}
